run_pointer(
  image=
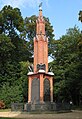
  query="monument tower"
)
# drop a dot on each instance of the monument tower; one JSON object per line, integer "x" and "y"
{"x": 40, "y": 81}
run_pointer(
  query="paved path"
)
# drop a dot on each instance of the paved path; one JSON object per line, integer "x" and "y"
{"x": 72, "y": 115}
{"x": 9, "y": 114}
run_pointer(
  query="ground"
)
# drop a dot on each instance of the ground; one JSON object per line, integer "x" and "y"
{"x": 75, "y": 114}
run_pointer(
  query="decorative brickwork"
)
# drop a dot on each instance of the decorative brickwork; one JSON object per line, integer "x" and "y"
{"x": 40, "y": 65}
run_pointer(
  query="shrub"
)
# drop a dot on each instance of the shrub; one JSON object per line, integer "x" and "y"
{"x": 2, "y": 104}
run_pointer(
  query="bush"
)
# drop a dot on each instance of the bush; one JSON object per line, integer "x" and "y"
{"x": 2, "y": 104}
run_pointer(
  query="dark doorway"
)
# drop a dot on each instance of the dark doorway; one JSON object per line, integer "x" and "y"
{"x": 35, "y": 95}
{"x": 46, "y": 90}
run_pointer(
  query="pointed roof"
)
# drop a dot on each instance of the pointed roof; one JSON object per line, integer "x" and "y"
{"x": 40, "y": 9}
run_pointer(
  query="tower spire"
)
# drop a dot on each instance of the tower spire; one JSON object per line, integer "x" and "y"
{"x": 40, "y": 6}
{"x": 40, "y": 22}
{"x": 40, "y": 9}
{"x": 40, "y": 44}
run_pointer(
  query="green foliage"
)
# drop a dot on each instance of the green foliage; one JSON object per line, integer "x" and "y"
{"x": 61, "y": 92}
{"x": 80, "y": 16}
{"x": 11, "y": 21}
{"x": 23, "y": 79}
{"x": 67, "y": 66}
{"x": 13, "y": 50}
{"x": 6, "y": 48}
{"x": 13, "y": 83}
{"x": 11, "y": 94}
{"x": 10, "y": 86}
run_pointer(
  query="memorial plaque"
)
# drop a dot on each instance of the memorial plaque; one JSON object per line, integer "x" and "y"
{"x": 35, "y": 95}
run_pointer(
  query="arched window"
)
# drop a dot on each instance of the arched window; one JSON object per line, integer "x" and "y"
{"x": 35, "y": 94}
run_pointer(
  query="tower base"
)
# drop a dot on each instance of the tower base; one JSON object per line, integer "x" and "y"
{"x": 40, "y": 87}
{"x": 41, "y": 107}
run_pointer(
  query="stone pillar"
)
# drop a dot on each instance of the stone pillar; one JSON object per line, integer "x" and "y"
{"x": 41, "y": 88}
{"x": 35, "y": 54}
{"x": 51, "y": 88}
{"x": 29, "y": 89}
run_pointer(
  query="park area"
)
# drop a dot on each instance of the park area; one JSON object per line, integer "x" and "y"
{"x": 40, "y": 73}
{"x": 74, "y": 114}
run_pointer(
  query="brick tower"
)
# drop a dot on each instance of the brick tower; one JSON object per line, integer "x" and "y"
{"x": 40, "y": 85}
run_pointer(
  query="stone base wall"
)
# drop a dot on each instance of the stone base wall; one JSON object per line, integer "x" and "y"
{"x": 17, "y": 106}
{"x": 40, "y": 107}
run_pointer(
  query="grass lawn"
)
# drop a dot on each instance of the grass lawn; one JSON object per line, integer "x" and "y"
{"x": 7, "y": 118}
{"x": 5, "y": 110}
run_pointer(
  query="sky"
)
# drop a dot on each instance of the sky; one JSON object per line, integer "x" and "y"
{"x": 63, "y": 14}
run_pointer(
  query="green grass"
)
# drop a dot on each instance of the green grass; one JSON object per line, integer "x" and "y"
{"x": 5, "y": 110}
{"x": 8, "y": 118}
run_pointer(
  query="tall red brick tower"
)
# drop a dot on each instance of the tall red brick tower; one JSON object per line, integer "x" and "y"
{"x": 40, "y": 44}
{"x": 40, "y": 85}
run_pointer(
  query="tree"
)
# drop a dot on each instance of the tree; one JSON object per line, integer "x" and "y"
{"x": 6, "y": 48}
{"x": 11, "y": 21}
{"x": 67, "y": 66}
{"x": 12, "y": 25}
{"x": 13, "y": 50}
{"x": 80, "y": 16}
{"x": 23, "y": 78}
{"x": 11, "y": 94}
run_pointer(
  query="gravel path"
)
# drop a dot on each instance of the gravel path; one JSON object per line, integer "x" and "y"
{"x": 71, "y": 115}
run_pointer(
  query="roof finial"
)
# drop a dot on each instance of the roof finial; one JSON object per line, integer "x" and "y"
{"x": 40, "y": 6}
